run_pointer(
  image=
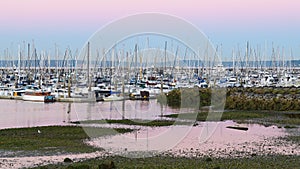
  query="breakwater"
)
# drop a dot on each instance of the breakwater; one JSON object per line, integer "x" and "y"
{"x": 260, "y": 98}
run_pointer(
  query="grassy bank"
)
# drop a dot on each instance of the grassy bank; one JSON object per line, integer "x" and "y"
{"x": 256, "y": 162}
{"x": 264, "y": 98}
{"x": 202, "y": 116}
{"x": 281, "y": 119}
{"x": 137, "y": 122}
{"x": 50, "y": 140}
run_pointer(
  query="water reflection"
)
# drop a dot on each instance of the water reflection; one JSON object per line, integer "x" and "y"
{"x": 224, "y": 142}
{"x": 18, "y": 113}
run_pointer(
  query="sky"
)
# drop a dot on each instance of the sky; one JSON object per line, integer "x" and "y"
{"x": 229, "y": 24}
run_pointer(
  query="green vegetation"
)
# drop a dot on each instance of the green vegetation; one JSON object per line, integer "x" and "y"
{"x": 276, "y": 99}
{"x": 154, "y": 123}
{"x": 294, "y": 138}
{"x": 186, "y": 98}
{"x": 202, "y": 116}
{"x": 159, "y": 162}
{"x": 281, "y": 119}
{"x": 276, "y": 104}
{"x": 52, "y": 139}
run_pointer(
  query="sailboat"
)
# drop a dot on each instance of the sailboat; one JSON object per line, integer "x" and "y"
{"x": 38, "y": 95}
{"x": 113, "y": 97}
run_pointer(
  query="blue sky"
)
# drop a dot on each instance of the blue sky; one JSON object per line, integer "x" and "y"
{"x": 228, "y": 24}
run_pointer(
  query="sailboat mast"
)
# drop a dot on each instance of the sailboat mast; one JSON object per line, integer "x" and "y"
{"x": 49, "y": 62}
{"x": 35, "y": 55}
{"x": 19, "y": 64}
{"x": 233, "y": 61}
{"x": 165, "y": 56}
{"x": 28, "y": 55}
{"x": 135, "y": 67}
{"x": 88, "y": 65}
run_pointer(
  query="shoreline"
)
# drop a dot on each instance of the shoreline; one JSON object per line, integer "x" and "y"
{"x": 242, "y": 152}
{"x": 35, "y": 161}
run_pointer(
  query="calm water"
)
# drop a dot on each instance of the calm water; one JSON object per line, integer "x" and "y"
{"x": 18, "y": 113}
{"x": 206, "y": 139}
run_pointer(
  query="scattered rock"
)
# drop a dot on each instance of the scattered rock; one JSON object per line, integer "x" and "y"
{"x": 68, "y": 160}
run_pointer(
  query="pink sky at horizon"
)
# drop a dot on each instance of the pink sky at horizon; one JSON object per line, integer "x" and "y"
{"x": 225, "y": 21}
{"x": 31, "y": 13}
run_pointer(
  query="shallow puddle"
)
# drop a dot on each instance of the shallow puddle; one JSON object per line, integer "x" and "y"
{"x": 206, "y": 139}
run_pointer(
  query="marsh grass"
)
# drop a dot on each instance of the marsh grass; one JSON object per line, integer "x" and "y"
{"x": 294, "y": 138}
{"x": 243, "y": 99}
{"x": 51, "y": 139}
{"x": 234, "y": 115}
{"x": 137, "y": 122}
{"x": 281, "y": 119}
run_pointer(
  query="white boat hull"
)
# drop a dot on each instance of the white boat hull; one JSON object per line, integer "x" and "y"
{"x": 113, "y": 98}
{"x": 34, "y": 98}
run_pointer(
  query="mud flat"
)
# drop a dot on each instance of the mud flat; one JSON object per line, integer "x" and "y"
{"x": 34, "y": 161}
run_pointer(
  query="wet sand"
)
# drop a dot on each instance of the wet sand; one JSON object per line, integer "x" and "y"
{"x": 26, "y": 162}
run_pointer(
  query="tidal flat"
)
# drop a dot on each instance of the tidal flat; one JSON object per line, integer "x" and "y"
{"x": 272, "y": 141}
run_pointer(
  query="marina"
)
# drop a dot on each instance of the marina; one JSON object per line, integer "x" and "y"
{"x": 149, "y": 84}
{"x": 168, "y": 101}
{"x": 150, "y": 81}
{"x": 140, "y": 71}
